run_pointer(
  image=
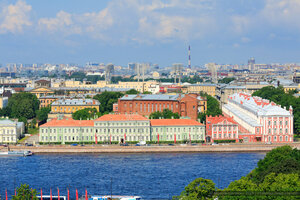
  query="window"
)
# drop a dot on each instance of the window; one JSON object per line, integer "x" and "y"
{"x": 257, "y": 130}
{"x": 229, "y": 135}
{"x": 274, "y": 123}
{"x": 280, "y": 123}
{"x": 286, "y": 123}
{"x": 219, "y": 135}
{"x": 233, "y": 135}
{"x": 280, "y": 138}
{"x": 269, "y": 131}
{"x": 281, "y": 130}
{"x": 286, "y": 130}
{"x": 286, "y": 138}
{"x": 220, "y": 128}
{"x": 269, "y": 123}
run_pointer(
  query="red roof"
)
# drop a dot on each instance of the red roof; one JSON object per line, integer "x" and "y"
{"x": 174, "y": 122}
{"x": 121, "y": 117}
{"x": 68, "y": 122}
{"x": 219, "y": 119}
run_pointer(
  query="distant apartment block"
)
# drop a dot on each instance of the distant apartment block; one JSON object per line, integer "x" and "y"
{"x": 263, "y": 121}
{"x": 198, "y": 88}
{"x": 185, "y": 105}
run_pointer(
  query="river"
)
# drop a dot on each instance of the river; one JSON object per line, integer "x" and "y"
{"x": 147, "y": 175}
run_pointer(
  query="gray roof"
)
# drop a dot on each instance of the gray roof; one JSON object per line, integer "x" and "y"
{"x": 8, "y": 122}
{"x": 246, "y": 118}
{"x": 76, "y": 102}
{"x": 151, "y": 97}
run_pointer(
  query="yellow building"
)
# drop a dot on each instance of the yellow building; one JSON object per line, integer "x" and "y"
{"x": 69, "y": 106}
{"x": 40, "y": 92}
{"x": 198, "y": 88}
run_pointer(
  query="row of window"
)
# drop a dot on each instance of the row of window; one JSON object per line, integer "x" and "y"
{"x": 278, "y": 139}
{"x": 178, "y": 137}
{"x": 275, "y": 131}
{"x": 152, "y": 107}
{"x": 275, "y": 123}
{"x": 225, "y": 128}
{"x": 229, "y": 135}
{"x": 8, "y": 139}
{"x": 121, "y": 124}
{"x": 6, "y": 131}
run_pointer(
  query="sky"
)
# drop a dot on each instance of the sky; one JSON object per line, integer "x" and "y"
{"x": 157, "y": 31}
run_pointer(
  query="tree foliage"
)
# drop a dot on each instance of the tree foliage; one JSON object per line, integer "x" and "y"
{"x": 200, "y": 188}
{"x": 278, "y": 96}
{"x": 42, "y": 114}
{"x": 279, "y": 171}
{"x": 25, "y": 193}
{"x": 213, "y": 108}
{"x": 165, "y": 114}
{"x": 86, "y": 114}
{"x": 226, "y": 80}
{"x": 22, "y": 105}
{"x": 280, "y": 160}
{"x": 107, "y": 99}
{"x": 132, "y": 91}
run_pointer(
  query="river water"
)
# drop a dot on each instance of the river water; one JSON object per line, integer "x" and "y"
{"x": 147, "y": 175}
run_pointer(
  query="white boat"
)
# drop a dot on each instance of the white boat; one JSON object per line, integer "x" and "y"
{"x": 16, "y": 153}
{"x": 114, "y": 197}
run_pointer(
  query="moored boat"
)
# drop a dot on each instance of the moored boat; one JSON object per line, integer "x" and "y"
{"x": 16, "y": 153}
{"x": 113, "y": 197}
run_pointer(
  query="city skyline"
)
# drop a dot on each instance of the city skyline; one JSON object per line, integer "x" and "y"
{"x": 142, "y": 31}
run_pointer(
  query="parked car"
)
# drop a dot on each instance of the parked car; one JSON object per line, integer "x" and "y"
{"x": 268, "y": 143}
{"x": 124, "y": 144}
{"x": 214, "y": 143}
{"x": 74, "y": 144}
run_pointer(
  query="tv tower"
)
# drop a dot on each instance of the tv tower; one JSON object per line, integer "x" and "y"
{"x": 190, "y": 57}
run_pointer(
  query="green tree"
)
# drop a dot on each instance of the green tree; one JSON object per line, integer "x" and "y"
{"x": 165, "y": 114}
{"x": 213, "y": 108}
{"x": 25, "y": 193}
{"x": 42, "y": 114}
{"x": 132, "y": 91}
{"x": 107, "y": 99}
{"x": 226, "y": 80}
{"x": 280, "y": 160}
{"x": 85, "y": 114}
{"x": 22, "y": 105}
{"x": 200, "y": 188}
{"x": 147, "y": 92}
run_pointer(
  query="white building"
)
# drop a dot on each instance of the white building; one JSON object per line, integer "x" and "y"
{"x": 263, "y": 120}
{"x": 10, "y": 131}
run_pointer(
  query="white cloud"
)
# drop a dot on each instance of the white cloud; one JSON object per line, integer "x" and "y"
{"x": 136, "y": 20}
{"x": 14, "y": 17}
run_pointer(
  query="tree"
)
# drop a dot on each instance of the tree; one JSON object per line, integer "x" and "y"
{"x": 280, "y": 160}
{"x": 107, "y": 99}
{"x": 147, "y": 92}
{"x": 226, "y": 80}
{"x": 132, "y": 91}
{"x": 213, "y": 108}
{"x": 42, "y": 114}
{"x": 85, "y": 114}
{"x": 200, "y": 188}
{"x": 165, "y": 114}
{"x": 22, "y": 105}
{"x": 25, "y": 193}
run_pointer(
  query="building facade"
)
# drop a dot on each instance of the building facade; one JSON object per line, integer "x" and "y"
{"x": 10, "y": 131}
{"x": 69, "y": 106}
{"x": 120, "y": 128}
{"x": 198, "y": 88}
{"x": 221, "y": 128}
{"x": 185, "y": 105}
{"x": 264, "y": 121}
{"x": 67, "y": 130}
{"x": 177, "y": 130}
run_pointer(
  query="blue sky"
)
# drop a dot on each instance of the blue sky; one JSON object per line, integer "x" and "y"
{"x": 158, "y": 31}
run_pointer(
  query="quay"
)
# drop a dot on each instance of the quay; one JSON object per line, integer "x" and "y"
{"x": 151, "y": 149}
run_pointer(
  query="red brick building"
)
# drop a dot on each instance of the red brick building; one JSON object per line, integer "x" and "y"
{"x": 186, "y": 105}
{"x": 221, "y": 128}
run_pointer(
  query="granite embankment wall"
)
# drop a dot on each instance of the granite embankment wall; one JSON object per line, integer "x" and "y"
{"x": 150, "y": 149}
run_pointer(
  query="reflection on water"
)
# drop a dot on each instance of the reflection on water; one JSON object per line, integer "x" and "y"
{"x": 148, "y": 175}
